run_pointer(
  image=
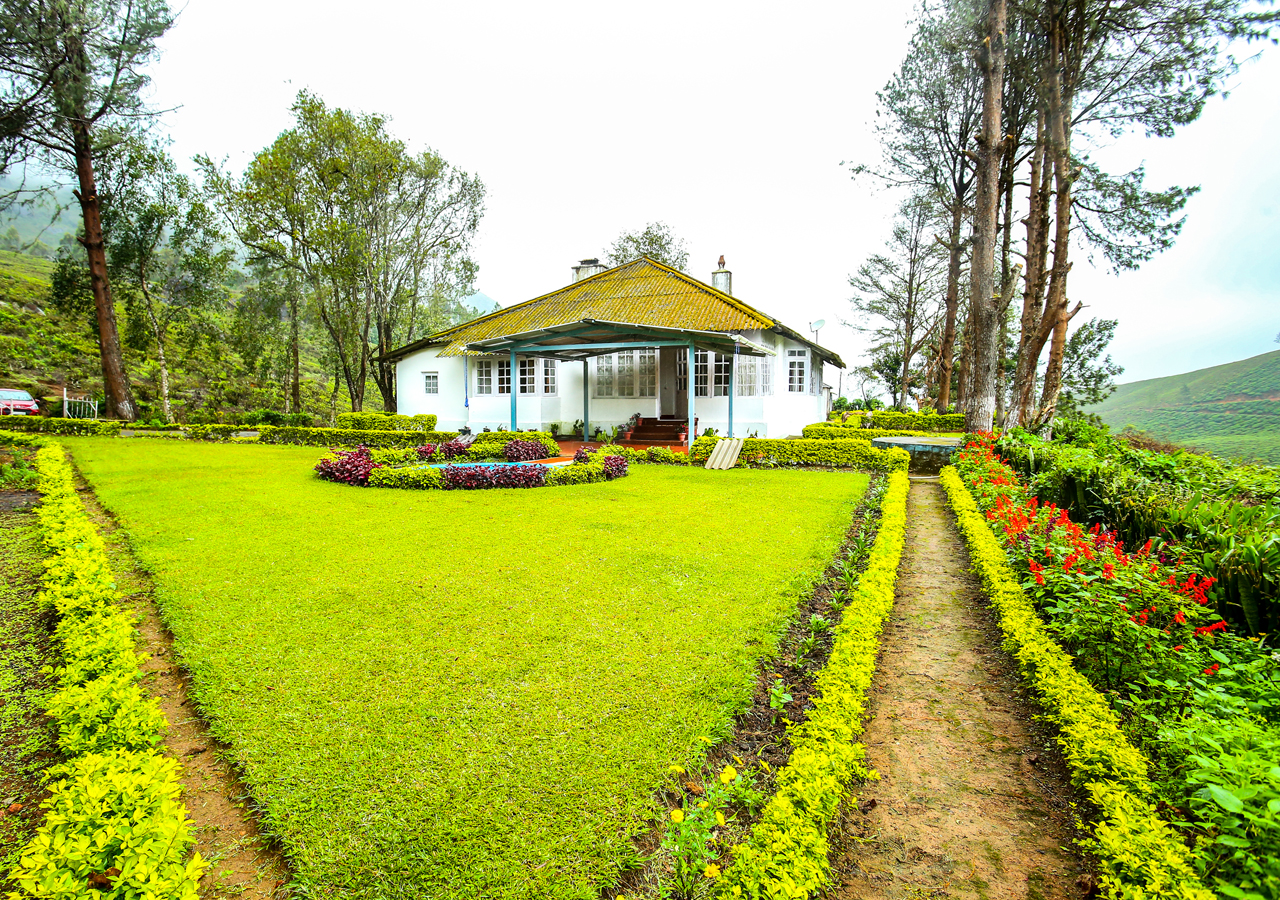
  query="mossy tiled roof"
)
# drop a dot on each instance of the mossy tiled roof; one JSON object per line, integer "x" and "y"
{"x": 641, "y": 292}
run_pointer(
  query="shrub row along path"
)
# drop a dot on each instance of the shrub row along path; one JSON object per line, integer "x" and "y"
{"x": 243, "y": 864}
{"x": 972, "y": 799}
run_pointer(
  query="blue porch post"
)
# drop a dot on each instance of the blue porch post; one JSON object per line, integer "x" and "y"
{"x": 586, "y": 396}
{"x": 693, "y": 392}
{"x": 514, "y": 386}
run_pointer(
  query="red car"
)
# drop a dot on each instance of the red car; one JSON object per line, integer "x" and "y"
{"x": 17, "y": 403}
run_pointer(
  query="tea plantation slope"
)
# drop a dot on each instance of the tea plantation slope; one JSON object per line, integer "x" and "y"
{"x": 465, "y": 694}
{"x": 1232, "y": 410}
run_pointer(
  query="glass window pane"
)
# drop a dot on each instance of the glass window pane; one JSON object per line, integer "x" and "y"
{"x": 431, "y": 382}
{"x": 647, "y": 383}
{"x": 504, "y": 376}
{"x": 484, "y": 377}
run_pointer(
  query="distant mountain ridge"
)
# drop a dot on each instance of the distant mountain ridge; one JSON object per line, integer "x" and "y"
{"x": 1232, "y": 410}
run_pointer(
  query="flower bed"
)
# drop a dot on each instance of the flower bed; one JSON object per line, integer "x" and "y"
{"x": 787, "y": 853}
{"x": 114, "y": 812}
{"x": 1146, "y": 663}
{"x": 363, "y": 467}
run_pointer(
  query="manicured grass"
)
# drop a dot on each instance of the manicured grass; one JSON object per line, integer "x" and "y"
{"x": 465, "y": 694}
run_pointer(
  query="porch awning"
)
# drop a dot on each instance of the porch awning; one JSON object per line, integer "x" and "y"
{"x": 595, "y": 337}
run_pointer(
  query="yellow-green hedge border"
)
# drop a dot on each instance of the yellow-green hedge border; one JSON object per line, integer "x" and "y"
{"x": 115, "y": 802}
{"x": 786, "y": 855}
{"x": 1139, "y": 856}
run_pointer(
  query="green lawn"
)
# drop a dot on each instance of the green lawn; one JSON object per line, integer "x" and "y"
{"x": 465, "y": 694}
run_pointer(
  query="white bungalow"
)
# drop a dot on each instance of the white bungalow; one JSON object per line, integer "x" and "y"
{"x": 614, "y": 343}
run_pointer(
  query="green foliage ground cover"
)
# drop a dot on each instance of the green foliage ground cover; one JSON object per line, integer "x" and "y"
{"x": 468, "y": 694}
{"x": 1232, "y": 410}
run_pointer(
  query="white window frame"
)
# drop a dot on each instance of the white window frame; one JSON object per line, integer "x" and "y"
{"x": 504, "y": 376}
{"x": 647, "y": 373}
{"x": 700, "y": 366}
{"x": 484, "y": 377}
{"x": 747, "y": 382}
{"x": 604, "y": 375}
{"x": 797, "y": 372}
{"x": 765, "y": 372}
{"x": 549, "y": 377}
{"x": 528, "y": 369}
{"x": 431, "y": 382}
{"x": 682, "y": 369}
{"x": 624, "y": 367}
{"x": 721, "y": 373}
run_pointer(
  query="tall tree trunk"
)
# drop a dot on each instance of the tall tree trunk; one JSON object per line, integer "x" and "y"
{"x": 1053, "y": 369}
{"x": 1033, "y": 331}
{"x": 295, "y": 340}
{"x": 980, "y": 402}
{"x": 157, "y": 332}
{"x": 115, "y": 381}
{"x": 966, "y": 359}
{"x": 947, "y": 352}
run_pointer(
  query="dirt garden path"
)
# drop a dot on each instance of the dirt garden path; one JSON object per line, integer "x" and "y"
{"x": 973, "y": 800}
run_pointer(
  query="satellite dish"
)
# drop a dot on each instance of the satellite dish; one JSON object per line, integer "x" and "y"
{"x": 814, "y": 326}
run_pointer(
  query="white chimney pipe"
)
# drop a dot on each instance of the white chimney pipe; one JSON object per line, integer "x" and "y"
{"x": 586, "y": 268}
{"x": 722, "y": 279}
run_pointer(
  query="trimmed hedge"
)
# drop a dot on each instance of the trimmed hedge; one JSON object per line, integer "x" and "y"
{"x": 1139, "y": 855}
{"x": 828, "y": 431}
{"x": 923, "y": 421}
{"x": 51, "y": 425}
{"x": 849, "y": 453}
{"x": 787, "y": 853}
{"x": 115, "y": 802}
{"x": 349, "y": 437}
{"x": 378, "y": 421}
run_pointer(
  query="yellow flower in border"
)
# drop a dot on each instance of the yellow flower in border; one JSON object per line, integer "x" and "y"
{"x": 719, "y": 818}
{"x": 711, "y": 871}
{"x": 703, "y": 805}
{"x": 677, "y": 816}
{"x": 738, "y": 760}
{"x": 676, "y": 770}
{"x": 728, "y": 774}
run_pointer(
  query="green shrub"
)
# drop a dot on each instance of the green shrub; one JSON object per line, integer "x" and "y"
{"x": 850, "y": 453}
{"x": 116, "y": 804}
{"x": 377, "y": 421}
{"x": 928, "y": 420}
{"x": 345, "y": 437}
{"x": 49, "y": 425}
{"x": 118, "y": 810}
{"x": 417, "y": 477}
{"x": 578, "y": 473}
{"x": 834, "y": 431}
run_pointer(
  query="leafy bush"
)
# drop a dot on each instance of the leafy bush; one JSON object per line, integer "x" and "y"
{"x": 1204, "y": 703}
{"x": 413, "y": 477}
{"x": 835, "y": 431}
{"x": 614, "y": 467}
{"x": 850, "y": 453}
{"x": 929, "y": 420}
{"x": 787, "y": 854}
{"x": 1226, "y": 519}
{"x": 113, "y": 810}
{"x": 583, "y": 455}
{"x": 475, "y": 477}
{"x": 330, "y": 437}
{"x": 523, "y": 451}
{"x": 115, "y": 815}
{"x": 49, "y": 425}
{"x": 347, "y": 466}
{"x": 377, "y": 421}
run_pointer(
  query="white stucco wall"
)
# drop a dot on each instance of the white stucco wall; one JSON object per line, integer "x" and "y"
{"x": 779, "y": 414}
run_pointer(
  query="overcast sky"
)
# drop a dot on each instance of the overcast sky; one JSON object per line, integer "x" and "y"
{"x": 729, "y": 122}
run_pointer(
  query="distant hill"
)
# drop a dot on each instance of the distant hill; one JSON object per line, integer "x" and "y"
{"x": 481, "y": 304}
{"x": 1231, "y": 410}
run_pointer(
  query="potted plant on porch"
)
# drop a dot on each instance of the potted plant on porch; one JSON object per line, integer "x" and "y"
{"x": 632, "y": 424}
